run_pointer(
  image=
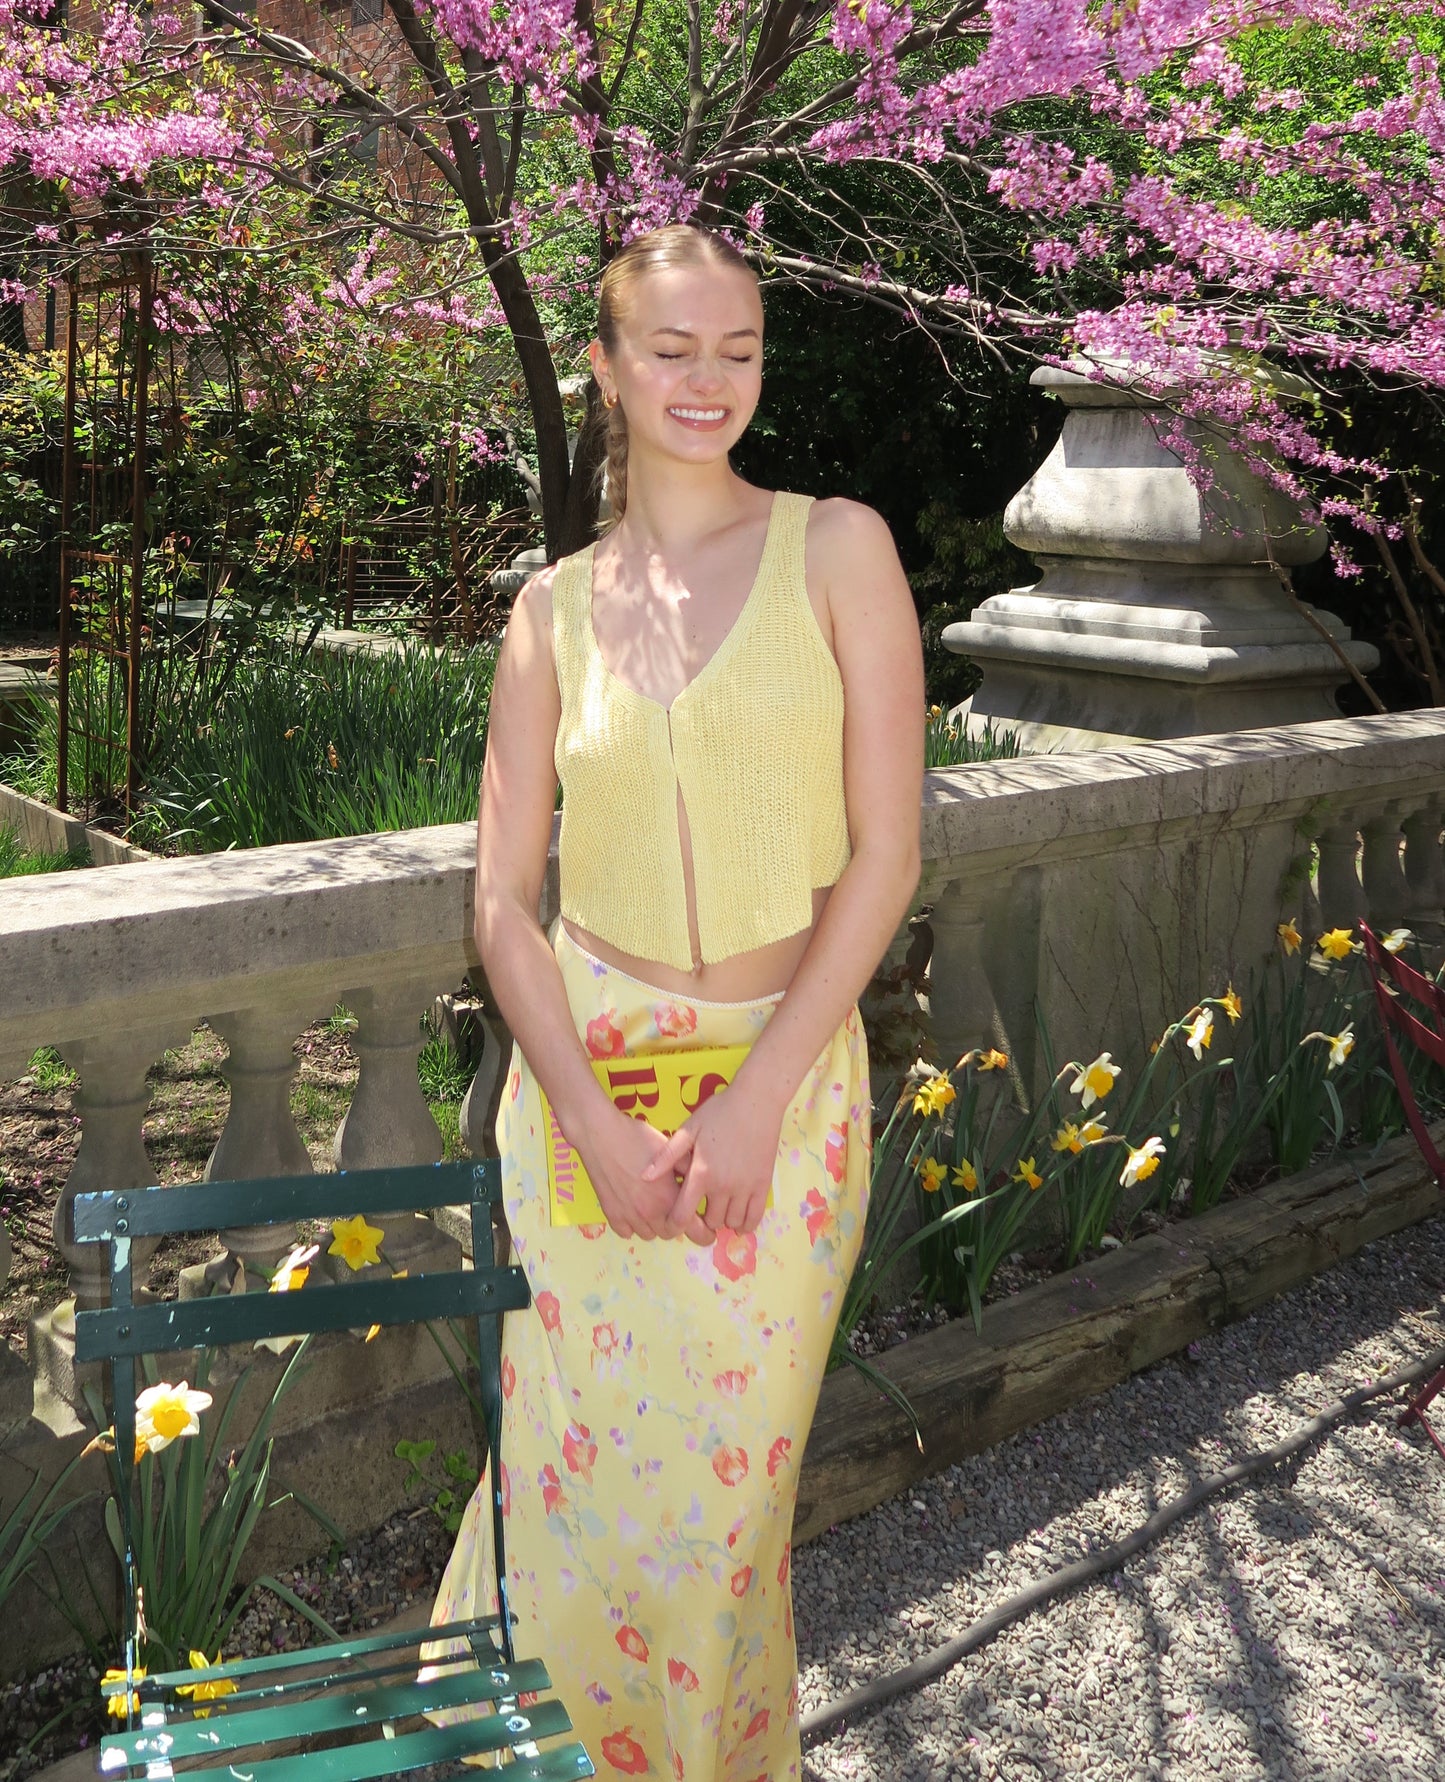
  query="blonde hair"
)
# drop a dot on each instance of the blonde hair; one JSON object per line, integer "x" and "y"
{"x": 678, "y": 244}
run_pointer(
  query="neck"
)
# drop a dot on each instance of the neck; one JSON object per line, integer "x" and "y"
{"x": 671, "y": 505}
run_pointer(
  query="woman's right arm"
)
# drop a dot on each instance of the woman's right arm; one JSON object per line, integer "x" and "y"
{"x": 514, "y": 830}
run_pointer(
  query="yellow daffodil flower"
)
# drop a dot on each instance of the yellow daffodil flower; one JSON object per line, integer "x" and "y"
{"x": 1027, "y": 1173}
{"x": 992, "y": 1060}
{"x": 1233, "y": 1007}
{"x": 355, "y": 1242}
{"x": 935, "y": 712}
{"x": 1337, "y": 943}
{"x": 165, "y": 1413}
{"x": 965, "y": 1176}
{"x": 930, "y": 1174}
{"x": 1201, "y": 1033}
{"x": 1095, "y": 1080}
{"x": 934, "y": 1096}
{"x": 1141, "y": 1162}
{"x": 1341, "y": 1045}
{"x": 1396, "y": 939}
{"x": 1066, "y": 1138}
{"x": 1289, "y": 936}
{"x": 113, "y": 1688}
{"x": 206, "y": 1692}
{"x": 292, "y": 1270}
{"x": 375, "y": 1330}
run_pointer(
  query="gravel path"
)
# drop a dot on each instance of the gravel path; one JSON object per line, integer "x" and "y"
{"x": 1291, "y": 1629}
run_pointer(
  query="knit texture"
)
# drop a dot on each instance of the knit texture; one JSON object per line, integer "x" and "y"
{"x": 754, "y": 742}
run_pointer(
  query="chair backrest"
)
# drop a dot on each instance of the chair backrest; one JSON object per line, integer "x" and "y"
{"x": 1412, "y": 1008}
{"x": 123, "y": 1330}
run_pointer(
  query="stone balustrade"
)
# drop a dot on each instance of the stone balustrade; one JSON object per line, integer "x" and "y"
{"x": 1109, "y": 890}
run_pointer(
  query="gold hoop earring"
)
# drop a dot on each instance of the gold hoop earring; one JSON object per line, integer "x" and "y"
{"x": 609, "y": 399}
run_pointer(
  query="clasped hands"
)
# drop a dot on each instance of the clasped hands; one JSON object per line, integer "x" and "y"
{"x": 713, "y": 1174}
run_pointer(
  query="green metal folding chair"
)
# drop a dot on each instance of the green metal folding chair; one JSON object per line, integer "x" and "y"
{"x": 343, "y": 1710}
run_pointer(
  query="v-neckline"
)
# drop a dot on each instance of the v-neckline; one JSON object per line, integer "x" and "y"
{"x": 733, "y": 632}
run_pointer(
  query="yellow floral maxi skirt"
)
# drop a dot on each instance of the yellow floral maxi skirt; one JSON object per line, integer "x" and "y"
{"x": 656, "y": 1401}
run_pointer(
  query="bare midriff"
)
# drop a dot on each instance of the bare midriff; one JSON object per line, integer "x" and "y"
{"x": 746, "y": 977}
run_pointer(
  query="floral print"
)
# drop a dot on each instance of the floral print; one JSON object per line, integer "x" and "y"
{"x": 656, "y": 1402}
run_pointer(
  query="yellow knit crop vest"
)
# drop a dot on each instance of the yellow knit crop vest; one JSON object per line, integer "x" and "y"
{"x": 754, "y": 741}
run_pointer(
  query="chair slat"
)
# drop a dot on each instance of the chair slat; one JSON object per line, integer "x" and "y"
{"x": 223, "y": 1318}
{"x": 338, "y": 1711}
{"x": 273, "y": 1664}
{"x": 268, "y": 1200}
{"x": 393, "y": 1757}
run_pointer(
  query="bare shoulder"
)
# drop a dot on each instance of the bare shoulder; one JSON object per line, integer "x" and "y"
{"x": 842, "y": 527}
{"x": 852, "y": 553}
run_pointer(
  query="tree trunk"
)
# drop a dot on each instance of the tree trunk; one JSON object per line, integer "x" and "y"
{"x": 543, "y": 396}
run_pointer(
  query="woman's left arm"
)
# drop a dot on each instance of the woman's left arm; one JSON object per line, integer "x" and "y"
{"x": 733, "y": 1140}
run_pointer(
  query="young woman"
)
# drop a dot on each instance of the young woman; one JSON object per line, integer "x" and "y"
{"x": 729, "y": 687}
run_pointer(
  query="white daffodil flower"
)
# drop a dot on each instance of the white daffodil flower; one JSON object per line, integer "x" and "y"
{"x": 165, "y": 1413}
{"x": 1395, "y": 939}
{"x": 1201, "y": 1033}
{"x": 1095, "y": 1080}
{"x": 1141, "y": 1163}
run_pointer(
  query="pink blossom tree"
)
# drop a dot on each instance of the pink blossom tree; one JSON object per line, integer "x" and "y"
{"x": 1129, "y": 182}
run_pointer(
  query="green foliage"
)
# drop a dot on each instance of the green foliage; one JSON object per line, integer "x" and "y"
{"x": 195, "y": 1507}
{"x": 979, "y": 1167}
{"x": 50, "y": 1070}
{"x": 301, "y": 750}
{"x": 16, "y": 863}
{"x": 450, "y": 1482}
{"x": 31, "y": 1522}
{"x": 947, "y": 744}
{"x": 442, "y": 1074}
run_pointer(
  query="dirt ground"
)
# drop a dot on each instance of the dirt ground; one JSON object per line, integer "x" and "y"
{"x": 40, "y": 1133}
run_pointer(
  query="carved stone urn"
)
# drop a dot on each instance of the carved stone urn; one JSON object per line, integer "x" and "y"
{"x": 1159, "y": 611}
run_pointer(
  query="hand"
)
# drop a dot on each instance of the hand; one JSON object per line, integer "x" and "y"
{"x": 728, "y": 1149}
{"x": 617, "y": 1152}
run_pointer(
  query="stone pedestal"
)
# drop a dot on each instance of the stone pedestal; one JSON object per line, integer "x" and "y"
{"x": 1158, "y": 613}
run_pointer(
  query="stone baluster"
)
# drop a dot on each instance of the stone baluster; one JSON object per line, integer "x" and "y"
{"x": 1424, "y": 868}
{"x": 1387, "y": 895}
{"x": 478, "y": 1118}
{"x": 260, "y": 1136}
{"x": 963, "y": 1012}
{"x": 111, "y": 1099}
{"x": 389, "y": 1121}
{"x": 1341, "y": 895}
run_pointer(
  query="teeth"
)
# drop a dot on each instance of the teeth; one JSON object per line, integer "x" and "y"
{"x": 699, "y": 414}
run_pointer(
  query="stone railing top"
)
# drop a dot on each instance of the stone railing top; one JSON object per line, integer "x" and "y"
{"x": 202, "y": 936}
{"x": 1028, "y": 806}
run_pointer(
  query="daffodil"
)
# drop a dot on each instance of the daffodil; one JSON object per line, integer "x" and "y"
{"x": 1095, "y": 1080}
{"x": 165, "y": 1413}
{"x": 992, "y": 1060}
{"x": 355, "y": 1242}
{"x": 1395, "y": 939}
{"x": 1231, "y": 1004}
{"x": 1027, "y": 1173}
{"x": 1289, "y": 936}
{"x": 1341, "y": 1045}
{"x": 206, "y": 1692}
{"x": 1092, "y": 1131}
{"x": 1337, "y": 943}
{"x": 1066, "y": 1138}
{"x": 292, "y": 1270}
{"x": 1201, "y": 1033}
{"x": 1141, "y": 1162}
{"x": 965, "y": 1176}
{"x": 934, "y": 1096}
{"x": 935, "y": 712}
{"x": 113, "y": 1687}
{"x": 930, "y": 1174}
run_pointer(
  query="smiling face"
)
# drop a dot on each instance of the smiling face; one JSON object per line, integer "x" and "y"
{"x": 686, "y": 360}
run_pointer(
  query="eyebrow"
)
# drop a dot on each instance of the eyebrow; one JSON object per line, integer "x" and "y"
{"x": 733, "y": 334}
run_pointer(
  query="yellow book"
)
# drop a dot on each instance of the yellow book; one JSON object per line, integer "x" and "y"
{"x": 663, "y": 1090}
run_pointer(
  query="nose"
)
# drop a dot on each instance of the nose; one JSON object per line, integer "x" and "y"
{"x": 706, "y": 376}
